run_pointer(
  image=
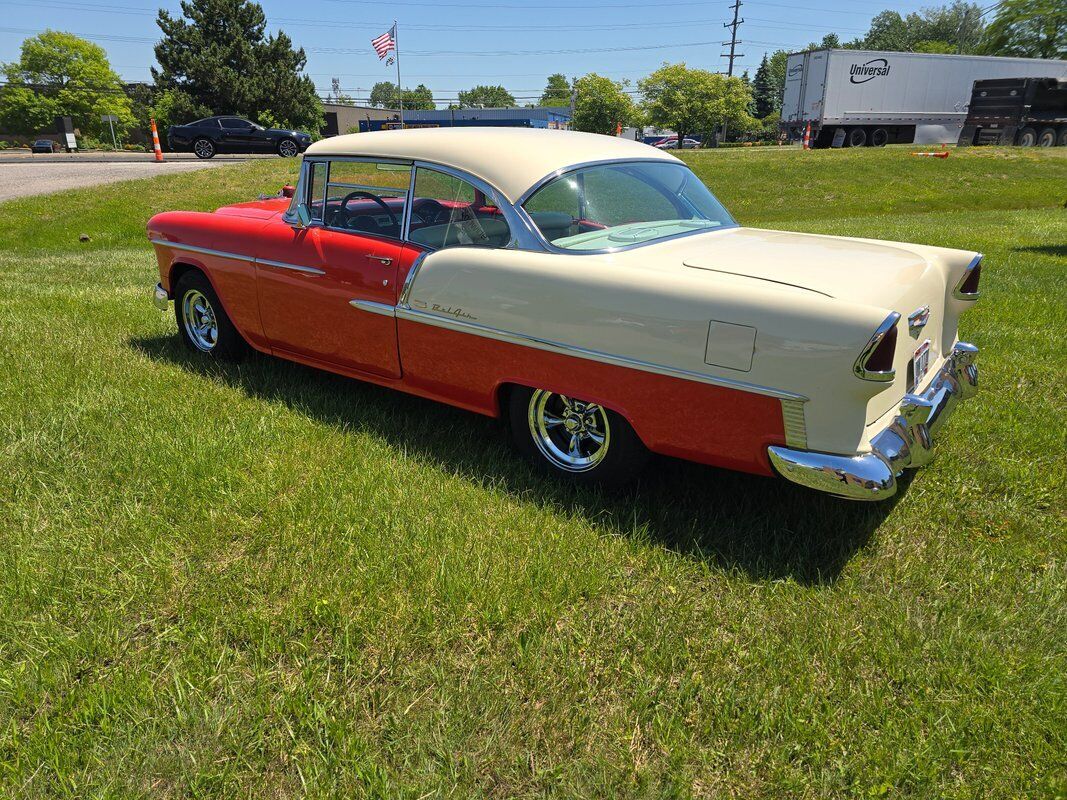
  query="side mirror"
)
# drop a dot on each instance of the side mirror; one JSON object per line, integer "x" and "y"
{"x": 303, "y": 216}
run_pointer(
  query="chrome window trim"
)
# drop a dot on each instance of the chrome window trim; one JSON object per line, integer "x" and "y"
{"x": 462, "y": 326}
{"x": 888, "y": 324}
{"x": 520, "y": 206}
{"x": 975, "y": 262}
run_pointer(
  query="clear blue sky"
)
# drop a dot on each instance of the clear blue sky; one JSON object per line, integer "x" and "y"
{"x": 452, "y": 45}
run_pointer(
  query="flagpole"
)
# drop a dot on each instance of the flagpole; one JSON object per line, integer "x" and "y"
{"x": 399, "y": 90}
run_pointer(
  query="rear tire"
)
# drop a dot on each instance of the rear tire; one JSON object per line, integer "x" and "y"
{"x": 1027, "y": 137}
{"x": 879, "y": 137}
{"x": 857, "y": 137}
{"x": 204, "y": 148}
{"x": 202, "y": 321}
{"x": 573, "y": 439}
{"x": 287, "y": 148}
{"x": 1047, "y": 137}
{"x": 1061, "y": 137}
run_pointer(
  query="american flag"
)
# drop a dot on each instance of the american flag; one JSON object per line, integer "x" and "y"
{"x": 384, "y": 43}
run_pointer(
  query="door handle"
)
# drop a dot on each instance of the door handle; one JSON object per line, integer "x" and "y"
{"x": 387, "y": 260}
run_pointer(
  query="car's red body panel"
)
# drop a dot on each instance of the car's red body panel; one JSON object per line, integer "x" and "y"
{"x": 289, "y": 292}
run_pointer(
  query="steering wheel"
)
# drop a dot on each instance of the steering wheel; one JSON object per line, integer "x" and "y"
{"x": 360, "y": 193}
{"x": 431, "y": 211}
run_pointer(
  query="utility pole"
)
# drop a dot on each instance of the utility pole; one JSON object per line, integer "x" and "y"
{"x": 734, "y": 41}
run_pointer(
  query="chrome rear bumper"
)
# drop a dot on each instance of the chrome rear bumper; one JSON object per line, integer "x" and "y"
{"x": 906, "y": 443}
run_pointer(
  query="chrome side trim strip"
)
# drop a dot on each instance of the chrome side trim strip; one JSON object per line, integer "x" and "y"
{"x": 414, "y": 315}
{"x": 373, "y": 307}
{"x": 294, "y": 267}
{"x": 796, "y": 429}
{"x": 207, "y": 251}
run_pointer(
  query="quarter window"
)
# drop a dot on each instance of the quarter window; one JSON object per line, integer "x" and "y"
{"x": 367, "y": 196}
{"x": 450, "y": 212}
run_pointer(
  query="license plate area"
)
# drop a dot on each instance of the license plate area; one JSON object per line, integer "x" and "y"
{"x": 920, "y": 363}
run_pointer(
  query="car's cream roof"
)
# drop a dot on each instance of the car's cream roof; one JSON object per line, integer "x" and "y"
{"x": 511, "y": 159}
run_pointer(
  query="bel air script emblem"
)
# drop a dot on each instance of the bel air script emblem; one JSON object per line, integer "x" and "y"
{"x": 458, "y": 313}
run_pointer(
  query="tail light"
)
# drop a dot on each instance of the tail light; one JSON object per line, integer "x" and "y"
{"x": 967, "y": 288}
{"x": 875, "y": 363}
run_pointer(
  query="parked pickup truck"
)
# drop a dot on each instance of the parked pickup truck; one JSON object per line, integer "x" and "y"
{"x": 206, "y": 137}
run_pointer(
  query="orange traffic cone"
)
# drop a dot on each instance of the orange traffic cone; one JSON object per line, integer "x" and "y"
{"x": 807, "y": 137}
{"x": 155, "y": 142}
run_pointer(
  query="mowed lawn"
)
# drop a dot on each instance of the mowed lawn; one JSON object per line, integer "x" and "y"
{"x": 264, "y": 581}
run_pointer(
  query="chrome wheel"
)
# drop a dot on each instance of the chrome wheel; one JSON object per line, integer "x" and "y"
{"x": 203, "y": 148}
{"x": 572, "y": 434}
{"x": 198, "y": 319}
{"x": 288, "y": 148}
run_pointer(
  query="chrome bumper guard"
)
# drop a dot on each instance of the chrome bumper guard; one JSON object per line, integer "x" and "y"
{"x": 908, "y": 441}
{"x": 160, "y": 298}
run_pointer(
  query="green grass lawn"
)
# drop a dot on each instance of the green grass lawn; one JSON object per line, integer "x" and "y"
{"x": 264, "y": 581}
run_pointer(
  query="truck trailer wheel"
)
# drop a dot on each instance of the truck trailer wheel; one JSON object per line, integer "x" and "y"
{"x": 1047, "y": 137}
{"x": 879, "y": 137}
{"x": 857, "y": 137}
{"x": 1027, "y": 137}
{"x": 1061, "y": 139}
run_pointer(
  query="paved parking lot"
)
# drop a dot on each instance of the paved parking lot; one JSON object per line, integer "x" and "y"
{"x": 22, "y": 177}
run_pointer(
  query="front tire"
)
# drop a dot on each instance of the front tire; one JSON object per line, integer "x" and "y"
{"x": 287, "y": 148}
{"x": 204, "y": 148}
{"x": 580, "y": 441}
{"x": 202, "y": 321}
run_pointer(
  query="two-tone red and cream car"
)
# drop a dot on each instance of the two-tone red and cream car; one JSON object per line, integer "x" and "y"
{"x": 595, "y": 294}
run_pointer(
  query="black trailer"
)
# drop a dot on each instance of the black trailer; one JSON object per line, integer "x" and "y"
{"x": 1022, "y": 111}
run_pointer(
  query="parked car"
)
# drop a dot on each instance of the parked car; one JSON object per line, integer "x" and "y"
{"x": 671, "y": 143}
{"x": 206, "y": 137}
{"x": 44, "y": 146}
{"x": 592, "y": 292}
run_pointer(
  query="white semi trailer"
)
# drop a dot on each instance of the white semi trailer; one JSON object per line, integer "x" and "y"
{"x": 867, "y": 97}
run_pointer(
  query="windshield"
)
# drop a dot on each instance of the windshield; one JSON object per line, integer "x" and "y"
{"x": 617, "y": 205}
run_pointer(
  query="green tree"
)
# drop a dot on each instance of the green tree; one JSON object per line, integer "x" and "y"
{"x": 383, "y": 95}
{"x": 1029, "y": 28}
{"x": 601, "y": 105}
{"x": 218, "y": 55}
{"x": 486, "y": 97}
{"x": 694, "y": 100}
{"x": 59, "y": 74}
{"x": 419, "y": 99}
{"x": 557, "y": 91}
{"x": 888, "y": 31}
{"x": 764, "y": 90}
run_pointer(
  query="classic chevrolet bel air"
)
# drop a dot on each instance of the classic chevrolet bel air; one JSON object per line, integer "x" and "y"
{"x": 593, "y": 293}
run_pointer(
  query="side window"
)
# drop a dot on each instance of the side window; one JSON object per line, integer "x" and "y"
{"x": 234, "y": 124}
{"x": 367, "y": 196}
{"x": 449, "y": 212}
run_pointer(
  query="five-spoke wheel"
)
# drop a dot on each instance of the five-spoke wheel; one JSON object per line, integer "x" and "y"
{"x": 576, "y": 438}
{"x": 202, "y": 321}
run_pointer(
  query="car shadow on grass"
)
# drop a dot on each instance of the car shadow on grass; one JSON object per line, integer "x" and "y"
{"x": 764, "y": 528}
{"x": 1044, "y": 249}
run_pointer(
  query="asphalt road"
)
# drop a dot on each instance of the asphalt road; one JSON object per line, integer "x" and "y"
{"x": 23, "y": 178}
